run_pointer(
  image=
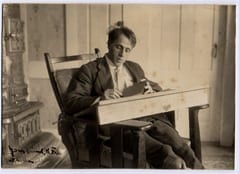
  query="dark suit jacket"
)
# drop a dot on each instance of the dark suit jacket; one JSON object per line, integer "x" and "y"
{"x": 92, "y": 80}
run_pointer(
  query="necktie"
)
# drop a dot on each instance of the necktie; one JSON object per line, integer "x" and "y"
{"x": 119, "y": 79}
{"x": 116, "y": 76}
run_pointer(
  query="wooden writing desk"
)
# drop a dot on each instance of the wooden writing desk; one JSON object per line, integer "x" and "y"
{"x": 110, "y": 111}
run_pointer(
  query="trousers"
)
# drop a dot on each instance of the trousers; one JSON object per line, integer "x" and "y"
{"x": 165, "y": 148}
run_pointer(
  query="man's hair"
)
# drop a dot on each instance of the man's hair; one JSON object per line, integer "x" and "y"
{"x": 119, "y": 29}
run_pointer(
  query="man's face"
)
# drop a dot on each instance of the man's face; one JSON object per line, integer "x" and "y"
{"x": 119, "y": 50}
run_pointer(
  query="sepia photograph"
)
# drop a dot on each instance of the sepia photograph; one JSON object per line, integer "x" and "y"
{"x": 118, "y": 86}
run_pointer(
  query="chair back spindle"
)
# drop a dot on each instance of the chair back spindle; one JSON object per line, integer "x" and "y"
{"x": 61, "y": 70}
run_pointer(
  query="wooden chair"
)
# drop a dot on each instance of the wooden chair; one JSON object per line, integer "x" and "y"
{"x": 80, "y": 132}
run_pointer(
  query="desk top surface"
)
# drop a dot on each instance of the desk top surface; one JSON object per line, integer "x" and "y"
{"x": 155, "y": 94}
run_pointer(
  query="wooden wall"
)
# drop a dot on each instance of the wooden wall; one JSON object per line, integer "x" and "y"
{"x": 44, "y": 32}
{"x": 174, "y": 46}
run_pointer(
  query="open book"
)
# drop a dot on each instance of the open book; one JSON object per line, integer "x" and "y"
{"x": 136, "y": 89}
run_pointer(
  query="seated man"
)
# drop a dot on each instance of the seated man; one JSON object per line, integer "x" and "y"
{"x": 106, "y": 78}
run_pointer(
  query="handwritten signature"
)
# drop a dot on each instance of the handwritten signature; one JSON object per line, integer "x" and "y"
{"x": 45, "y": 151}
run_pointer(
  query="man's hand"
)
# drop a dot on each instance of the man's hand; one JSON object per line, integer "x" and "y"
{"x": 148, "y": 89}
{"x": 112, "y": 94}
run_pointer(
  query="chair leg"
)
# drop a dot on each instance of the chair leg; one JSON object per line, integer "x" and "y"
{"x": 195, "y": 131}
{"x": 117, "y": 147}
{"x": 171, "y": 118}
{"x": 94, "y": 155}
{"x": 139, "y": 150}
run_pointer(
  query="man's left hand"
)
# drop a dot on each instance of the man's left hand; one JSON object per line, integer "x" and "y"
{"x": 148, "y": 89}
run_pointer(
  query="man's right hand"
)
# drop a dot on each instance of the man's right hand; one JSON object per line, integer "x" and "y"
{"x": 112, "y": 94}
